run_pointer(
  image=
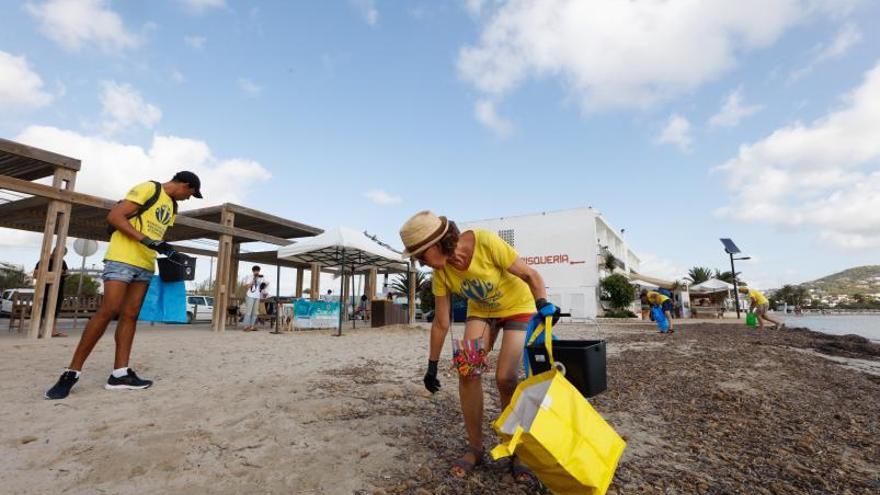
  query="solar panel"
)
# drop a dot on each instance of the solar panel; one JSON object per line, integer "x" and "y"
{"x": 729, "y": 246}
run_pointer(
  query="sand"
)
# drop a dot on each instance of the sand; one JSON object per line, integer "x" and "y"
{"x": 711, "y": 409}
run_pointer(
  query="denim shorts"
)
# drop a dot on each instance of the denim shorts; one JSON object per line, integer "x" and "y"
{"x": 123, "y": 272}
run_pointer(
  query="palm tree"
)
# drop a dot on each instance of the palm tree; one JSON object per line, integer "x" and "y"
{"x": 699, "y": 274}
{"x": 728, "y": 277}
{"x": 400, "y": 284}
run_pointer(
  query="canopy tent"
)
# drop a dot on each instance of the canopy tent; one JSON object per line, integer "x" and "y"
{"x": 644, "y": 283}
{"x": 710, "y": 286}
{"x": 347, "y": 249}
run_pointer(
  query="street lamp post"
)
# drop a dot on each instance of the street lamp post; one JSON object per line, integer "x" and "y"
{"x": 731, "y": 249}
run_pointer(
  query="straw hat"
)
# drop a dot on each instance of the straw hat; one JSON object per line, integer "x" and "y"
{"x": 421, "y": 231}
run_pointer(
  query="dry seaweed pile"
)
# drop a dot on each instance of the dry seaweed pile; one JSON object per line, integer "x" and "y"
{"x": 709, "y": 409}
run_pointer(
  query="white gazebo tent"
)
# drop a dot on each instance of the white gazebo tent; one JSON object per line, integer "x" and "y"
{"x": 350, "y": 250}
{"x": 712, "y": 285}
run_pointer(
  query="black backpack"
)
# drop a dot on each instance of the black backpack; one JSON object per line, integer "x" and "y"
{"x": 146, "y": 206}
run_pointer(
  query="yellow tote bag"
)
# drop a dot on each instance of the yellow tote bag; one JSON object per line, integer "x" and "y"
{"x": 552, "y": 428}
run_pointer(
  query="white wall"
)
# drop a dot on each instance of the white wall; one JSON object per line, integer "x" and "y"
{"x": 562, "y": 247}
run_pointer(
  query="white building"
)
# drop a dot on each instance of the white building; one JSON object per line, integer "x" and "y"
{"x": 567, "y": 248}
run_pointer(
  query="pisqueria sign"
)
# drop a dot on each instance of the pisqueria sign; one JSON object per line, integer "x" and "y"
{"x": 555, "y": 259}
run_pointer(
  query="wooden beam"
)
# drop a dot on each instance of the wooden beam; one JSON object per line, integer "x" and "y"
{"x": 39, "y": 154}
{"x": 57, "y": 223}
{"x": 35, "y": 189}
{"x": 300, "y": 273}
{"x": 222, "y": 291}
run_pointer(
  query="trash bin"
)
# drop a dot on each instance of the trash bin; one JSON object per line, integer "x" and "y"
{"x": 583, "y": 362}
{"x": 171, "y": 271}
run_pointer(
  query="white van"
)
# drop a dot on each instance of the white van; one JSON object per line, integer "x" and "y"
{"x": 6, "y": 299}
{"x": 199, "y": 308}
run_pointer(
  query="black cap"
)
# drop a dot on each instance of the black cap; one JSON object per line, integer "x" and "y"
{"x": 191, "y": 179}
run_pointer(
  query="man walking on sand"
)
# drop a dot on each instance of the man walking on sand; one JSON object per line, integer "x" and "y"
{"x": 759, "y": 304}
{"x": 138, "y": 225}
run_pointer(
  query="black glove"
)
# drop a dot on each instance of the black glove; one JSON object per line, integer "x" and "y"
{"x": 160, "y": 247}
{"x": 546, "y": 308}
{"x": 431, "y": 381}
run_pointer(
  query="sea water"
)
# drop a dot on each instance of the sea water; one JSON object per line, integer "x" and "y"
{"x": 867, "y": 326}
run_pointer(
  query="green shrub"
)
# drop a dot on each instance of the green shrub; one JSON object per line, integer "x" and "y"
{"x": 618, "y": 291}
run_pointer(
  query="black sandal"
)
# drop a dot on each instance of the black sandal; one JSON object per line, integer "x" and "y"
{"x": 521, "y": 473}
{"x": 466, "y": 466}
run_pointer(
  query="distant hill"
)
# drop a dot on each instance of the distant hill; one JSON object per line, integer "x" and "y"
{"x": 861, "y": 279}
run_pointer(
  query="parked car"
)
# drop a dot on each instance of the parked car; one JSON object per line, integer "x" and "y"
{"x": 6, "y": 299}
{"x": 199, "y": 308}
{"x": 459, "y": 313}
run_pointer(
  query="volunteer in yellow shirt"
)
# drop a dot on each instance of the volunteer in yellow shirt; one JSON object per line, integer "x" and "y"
{"x": 139, "y": 222}
{"x": 655, "y": 298}
{"x": 759, "y": 304}
{"x": 502, "y": 294}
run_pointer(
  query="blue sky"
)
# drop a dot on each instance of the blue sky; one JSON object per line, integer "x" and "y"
{"x": 363, "y": 112}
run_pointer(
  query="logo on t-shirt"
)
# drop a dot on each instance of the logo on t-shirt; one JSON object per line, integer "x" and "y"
{"x": 163, "y": 214}
{"x": 481, "y": 292}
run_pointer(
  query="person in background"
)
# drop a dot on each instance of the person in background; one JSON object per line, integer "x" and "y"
{"x": 252, "y": 298}
{"x": 759, "y": 304}
{"x": 328, "y": 297}
{"x": 655, "y": 298}
{"x": 60, "y": 300}
{"x": 138, "y": 225}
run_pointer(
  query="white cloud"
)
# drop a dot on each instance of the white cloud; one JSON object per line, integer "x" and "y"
{"x": 20, "y": 86}
{"x": 733, "y": 110}
{"x": 824, "y": 175}
{"x": 368, "y": 10}
{"x": 381, "y": 197}
{"x": 484, "y": 111}
{"x": 656, "y": 266}
{"x": 199, "y": 6}
{"x": 848, "y": 36}
{"x": 249, "y": 87}
{"x": 678, "y": 132}
{"x": 124, "y": 108}
{"x": 74, "y": 23}
{"x": 111, "y": 167}
{"x": 475, "y": 7}
{"x": 195, "y": 42}
{"x": 631, "y": 54}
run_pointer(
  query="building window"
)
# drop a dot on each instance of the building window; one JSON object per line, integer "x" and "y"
{"x": 508, "y": 237}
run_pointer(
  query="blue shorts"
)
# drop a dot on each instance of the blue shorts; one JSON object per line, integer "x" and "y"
{"x": 667, "y": 306}
{"x": 123, "y": 272}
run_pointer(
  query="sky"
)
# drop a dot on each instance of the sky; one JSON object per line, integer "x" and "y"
{"x": 682, "y": 122}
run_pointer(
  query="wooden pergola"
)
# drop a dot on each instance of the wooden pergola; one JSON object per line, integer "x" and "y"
{"x": 58, "y": 211}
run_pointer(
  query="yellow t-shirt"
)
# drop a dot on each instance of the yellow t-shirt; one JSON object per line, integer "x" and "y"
{"x": 656, "y": 298}
{"x": 153, "y": 223}
{"x": 491, "y": 290}
{"x": 757, "y": 297}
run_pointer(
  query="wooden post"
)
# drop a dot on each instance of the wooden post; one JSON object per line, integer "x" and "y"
{"x": 343, "y": 299}
{"x": 299, "y": 282}
{"x": 233, "y": 270}
{"x": 57, "y": 223}
{"x": 315, "y": 286}
{"x": 412, "y": 293}
{"x": 222, "y": 290}
{"x": 372, "y": 278}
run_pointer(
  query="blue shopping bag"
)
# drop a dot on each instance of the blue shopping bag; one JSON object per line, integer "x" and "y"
{"x": 660, "y": 318}
{"x": 165, "y": 302}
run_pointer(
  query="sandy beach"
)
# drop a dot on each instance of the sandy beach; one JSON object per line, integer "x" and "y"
{"x": 713, "y": 408}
